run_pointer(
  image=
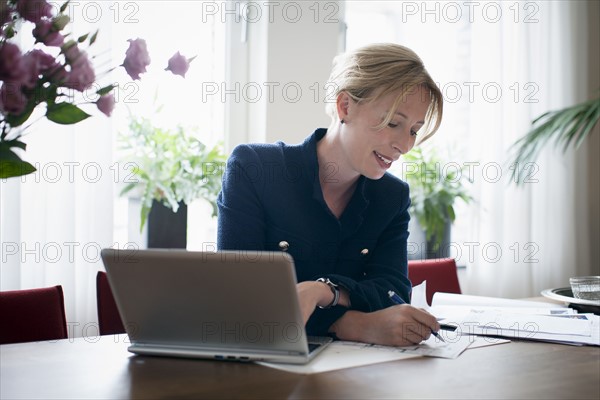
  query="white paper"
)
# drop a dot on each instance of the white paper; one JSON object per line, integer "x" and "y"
{"x": 483, "y": 341}
{"x": 500, "y": 321}
{"x": 453, "y": 346}
{"x": 489, "y": 316}
{"x": 340, "y": 355}
{"x": 418, "y": 296}
{"x": 452, "y": 299}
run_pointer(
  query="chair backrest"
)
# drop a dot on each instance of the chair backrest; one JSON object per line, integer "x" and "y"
{"x": 32, "y": 315}
{"x": 439, "y": 273}
{"x": 109, "y": 318}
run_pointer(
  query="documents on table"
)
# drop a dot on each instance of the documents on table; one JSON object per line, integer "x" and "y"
{"x": 340, "y": 355}
{"x": 488, "y": 316}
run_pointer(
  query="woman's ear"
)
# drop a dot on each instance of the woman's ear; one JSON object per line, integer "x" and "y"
{"x": 342, "y": 105}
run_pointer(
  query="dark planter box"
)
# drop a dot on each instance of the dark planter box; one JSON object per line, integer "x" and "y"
{"x": 419, "y": 248}
{"x": 166, "y": 229}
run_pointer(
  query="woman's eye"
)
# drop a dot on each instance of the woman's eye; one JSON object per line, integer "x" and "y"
{"x": 391, "y": 125}
{"x": 413, "y": 132}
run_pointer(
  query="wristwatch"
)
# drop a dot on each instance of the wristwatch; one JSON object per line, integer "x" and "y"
{"x": 334, "y": 290}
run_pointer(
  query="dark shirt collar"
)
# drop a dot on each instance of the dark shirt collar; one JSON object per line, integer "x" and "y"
{"x": 352, "y": 216}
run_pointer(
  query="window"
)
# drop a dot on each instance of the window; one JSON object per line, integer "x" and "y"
{"x": 443, "y": 45}
{"x": 194, "y": 32}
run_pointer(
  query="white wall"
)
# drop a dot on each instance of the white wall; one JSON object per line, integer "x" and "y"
{"x": 593, "y": 142}
{"x": 286, "y": 61}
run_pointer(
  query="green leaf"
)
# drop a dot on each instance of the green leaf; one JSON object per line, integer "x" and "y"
{"x": 64, "y": 6}
{"x": 105, "y": 90}
{"x": 65, "y": 113}
{"x": 11, "y": 165}
{"x": 561, "y": 126}
{"x": 82, "y": 38}
{"x": 94, "y": 37}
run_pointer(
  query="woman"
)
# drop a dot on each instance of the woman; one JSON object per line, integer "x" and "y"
{"x": 330, "y": 203}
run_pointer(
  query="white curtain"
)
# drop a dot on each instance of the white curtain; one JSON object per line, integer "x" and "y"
{"x": 500, "y": 65}
{"x": 532, "y": 238}
{"x": 54, "y": 223}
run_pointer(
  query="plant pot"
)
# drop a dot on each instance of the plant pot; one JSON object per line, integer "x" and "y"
{"x": 166, "y": 229}
{"x": 442, "y": 249}
{"x": 419, "y": 248}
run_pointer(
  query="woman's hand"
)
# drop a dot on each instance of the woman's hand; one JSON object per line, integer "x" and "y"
{"x": 312, "y": 294}
{"x": 400, "y": 325}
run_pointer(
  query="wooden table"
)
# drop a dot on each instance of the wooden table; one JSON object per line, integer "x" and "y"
{"x": 101, "y": 367}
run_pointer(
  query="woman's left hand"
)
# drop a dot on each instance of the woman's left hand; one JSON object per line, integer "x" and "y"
{"x": 310, "y": 295}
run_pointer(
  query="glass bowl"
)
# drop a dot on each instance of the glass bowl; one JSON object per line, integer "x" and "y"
{"x": 585, "y": 287}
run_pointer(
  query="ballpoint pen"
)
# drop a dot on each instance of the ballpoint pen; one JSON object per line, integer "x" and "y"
{"x": 396, "y": 299}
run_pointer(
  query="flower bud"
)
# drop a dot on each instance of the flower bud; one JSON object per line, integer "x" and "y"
{"x": 60, "y": 22}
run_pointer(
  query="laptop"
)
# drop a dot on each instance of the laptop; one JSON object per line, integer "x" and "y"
{"x": 230, "y": 305}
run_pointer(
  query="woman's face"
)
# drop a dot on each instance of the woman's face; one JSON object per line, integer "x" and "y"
{"x": 370, "y": 151}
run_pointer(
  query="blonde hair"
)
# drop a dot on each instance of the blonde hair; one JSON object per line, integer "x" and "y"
{"x": 373, "y": 71}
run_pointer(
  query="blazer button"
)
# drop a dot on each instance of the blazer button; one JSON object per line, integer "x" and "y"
{"x": 364, "y": 252}
{"x": 283, "y": 245}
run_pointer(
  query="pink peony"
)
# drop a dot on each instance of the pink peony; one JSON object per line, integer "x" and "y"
{"x": 45, "y": 61}
{"x": 34, "y": 10}
{"x": 32, "y": 70}
{"x": 81, "y": 76}
{"x": 178, "y": 64}
{"x": 106, "y": 104}
{"x": 44, "y": 32}
{"x": 136, "y": 58}
{"x": 12, "y": 66}
{"x": 12, "y": 99}
{"x": 71, "y": 52}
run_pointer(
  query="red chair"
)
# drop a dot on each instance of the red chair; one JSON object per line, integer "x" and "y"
{"x": 32, "y": 315}
{"x": 109, "y": 318}
{"x": 439, "y": 273}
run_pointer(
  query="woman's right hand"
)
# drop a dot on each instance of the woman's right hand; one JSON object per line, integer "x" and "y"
{"x": 400, "y": 325}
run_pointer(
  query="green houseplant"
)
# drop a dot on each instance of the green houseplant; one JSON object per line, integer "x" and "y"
{"x": 566, "y": 127}
{"x": 170, "y": 166}
{"x": 434, "y": 188}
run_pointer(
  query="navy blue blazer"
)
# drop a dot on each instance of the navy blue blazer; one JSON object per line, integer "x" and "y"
{"x": 272, "y": 196}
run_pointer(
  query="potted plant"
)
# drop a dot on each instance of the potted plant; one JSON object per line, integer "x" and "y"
{"x": 434, "y": 187}
{"x": 568, "y": 126}
{"x": 171, "y": 169}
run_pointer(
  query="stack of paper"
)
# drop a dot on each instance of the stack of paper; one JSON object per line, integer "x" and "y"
{"x": 487, "y": 316}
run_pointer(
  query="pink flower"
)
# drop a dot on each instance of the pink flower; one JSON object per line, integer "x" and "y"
{"x": 12, "y": 99}
{"x": 71, "y": 52}
{"x": 45, "y": 61}
{"x": 11, "y": 63}
{"x": 32, "y": 70}
{"x": 106, "y": 104}
{"x": 44, "y": 32}
{"x": 136, "y": 58}
{"x": 34, "y": 10}
{"x": 81, "y": 76}
{"x": 178, "y": 64}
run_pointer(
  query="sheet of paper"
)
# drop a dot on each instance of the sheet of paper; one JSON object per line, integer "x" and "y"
{"x": 592, "y": 339}
{"x": 500, "y": 321}
{"x": 340, "y": 355}
{"x": 418, "y": 296}
{"x": 451, "y": 299}
{"x": 433, "y": 347}
{"x": 483, "y": 341}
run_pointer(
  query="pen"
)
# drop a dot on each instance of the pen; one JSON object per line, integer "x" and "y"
{"x": 396, "y": 299}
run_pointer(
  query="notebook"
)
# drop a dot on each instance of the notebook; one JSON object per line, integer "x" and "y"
{"x": 231, "y": 305}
